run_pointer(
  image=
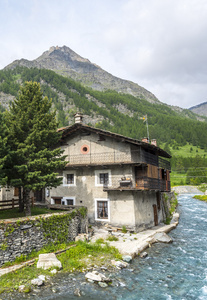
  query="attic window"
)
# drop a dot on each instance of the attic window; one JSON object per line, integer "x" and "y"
{"x": 84, "y": 149}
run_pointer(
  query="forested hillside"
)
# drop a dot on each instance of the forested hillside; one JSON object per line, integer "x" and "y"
{"x": 109, "y": 110}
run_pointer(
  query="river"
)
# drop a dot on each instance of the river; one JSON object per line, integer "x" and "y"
{"x": 176, "y": 271}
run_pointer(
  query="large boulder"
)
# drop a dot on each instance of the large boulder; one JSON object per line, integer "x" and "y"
{"x": 48, "y": 260}
{"x": 119, "y": 264}
{"x": 161, "y": 237}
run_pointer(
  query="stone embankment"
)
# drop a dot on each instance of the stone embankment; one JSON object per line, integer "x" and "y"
{"x": 132, "y": 244}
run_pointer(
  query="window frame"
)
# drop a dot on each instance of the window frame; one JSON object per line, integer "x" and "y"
{"x": 68, "y": 198}
{"x": 65, "y": 173}
{"x": 96, "y": 208}
{"x": 97, "y": 177}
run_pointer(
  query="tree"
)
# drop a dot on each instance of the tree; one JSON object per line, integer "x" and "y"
{"x": 33, "y": 161}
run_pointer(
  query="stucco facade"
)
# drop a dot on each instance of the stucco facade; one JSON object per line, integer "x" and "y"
{"x": 115, "y": 177}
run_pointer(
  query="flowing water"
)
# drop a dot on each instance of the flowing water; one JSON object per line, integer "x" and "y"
{"x": 176, "y": 271}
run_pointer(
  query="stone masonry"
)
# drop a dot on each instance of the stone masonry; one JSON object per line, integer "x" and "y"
{"x": 22, "y": 236}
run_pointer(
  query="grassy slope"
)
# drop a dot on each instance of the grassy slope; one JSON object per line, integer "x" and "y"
{"x": 179, "y": 178}
{"x": 188, "y": 151}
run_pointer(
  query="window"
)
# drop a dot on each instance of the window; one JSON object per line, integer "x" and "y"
{"x": 102, "y": 177}
{"x": 69, "y": 178}
{"x": 68, "y": 200}
{"x": 85, "y": 149}
{"x": 102, "y": 209}
{"x": 56, "y": 200}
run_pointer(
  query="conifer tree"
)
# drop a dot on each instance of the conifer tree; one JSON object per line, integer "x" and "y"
{"x": 33, "y": 161}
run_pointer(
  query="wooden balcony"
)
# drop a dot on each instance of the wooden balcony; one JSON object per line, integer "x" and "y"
{"x": 140, "y": 183}
{"x": 116, "y": 157}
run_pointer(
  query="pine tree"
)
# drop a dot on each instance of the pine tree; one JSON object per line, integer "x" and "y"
{"x": 32, "y": 134}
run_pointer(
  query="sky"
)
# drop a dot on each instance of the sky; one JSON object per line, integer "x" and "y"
{"x": 159, "y": 44}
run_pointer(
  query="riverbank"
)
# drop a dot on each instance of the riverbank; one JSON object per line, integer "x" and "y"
{"x": 187, "y": 189}
{"x": 133, "y": 244}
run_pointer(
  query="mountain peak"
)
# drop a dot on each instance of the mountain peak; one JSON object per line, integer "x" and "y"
{"x": 66, "y": 62}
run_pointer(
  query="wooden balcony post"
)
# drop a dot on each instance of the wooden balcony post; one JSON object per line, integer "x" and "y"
{"x": 12, "y": 203}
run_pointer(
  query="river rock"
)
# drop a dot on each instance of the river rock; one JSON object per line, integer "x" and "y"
{"x": 127, "y": 258}
{"x": 77, "y": 292}
{"x": 82, "y": 237}
{"x": 119, "y": 264}
{"x": 23, "y": 289}
{"x": 37, "y": 281}
{"x": 41, "y": 277}
{"x": 47, "y": 261}
{"x": 144, "y": 254}
{"x": 96, "y": 276}
{"x": 162, "y": 237}
{"x": 102, "y": 284}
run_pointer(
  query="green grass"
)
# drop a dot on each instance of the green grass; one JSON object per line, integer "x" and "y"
{"x": 87, "y": 255}
{"x": 112, "y": 238}
{"x": 202, "y": 187}
{"x": 34, "y": 254}
{"x": 177, "y": 178}
{"x": 13, "y": 213}
{"x": 187, "y": 151}
{"x": 80, "y": 258}
{"x": 201, "y": 197}
{"x": 124, "y": 230}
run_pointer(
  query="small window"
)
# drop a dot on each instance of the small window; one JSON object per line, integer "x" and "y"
{"x": 56, "y": 200}
{"x": 85, "y": 149}
{"x": 70, "y": 178}
{"x": 103, "y": 178}
{"x": 69, "y": 201}
{"x": 102, "y": 210}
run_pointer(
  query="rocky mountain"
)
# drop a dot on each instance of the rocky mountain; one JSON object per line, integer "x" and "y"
{"x": 66, "y": 62}
{"x": 200, "y": 109}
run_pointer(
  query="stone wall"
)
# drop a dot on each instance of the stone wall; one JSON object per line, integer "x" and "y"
{"x": 166, "y": 199}
{"x": 23, "y": 235}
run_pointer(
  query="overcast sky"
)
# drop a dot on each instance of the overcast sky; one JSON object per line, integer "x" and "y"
{"x": 159, "y": 44}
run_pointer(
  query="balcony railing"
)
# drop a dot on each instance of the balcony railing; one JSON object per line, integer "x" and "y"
{"x": 139, "y": 183}
{"x": 164, "y": 164}
{"x": 117, "y": 158}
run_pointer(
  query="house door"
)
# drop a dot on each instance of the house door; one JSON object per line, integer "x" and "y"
{"x": 155, "y": 214}
{"x": 39, "y": 196}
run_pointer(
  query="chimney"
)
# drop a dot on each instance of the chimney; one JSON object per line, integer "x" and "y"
{"x": 78, "y": 118}
{"x": 154, "y": 142}
{"x": 145, "y": 140}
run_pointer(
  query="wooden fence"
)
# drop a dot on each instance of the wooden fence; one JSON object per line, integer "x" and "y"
{"x": 10, "y": 204}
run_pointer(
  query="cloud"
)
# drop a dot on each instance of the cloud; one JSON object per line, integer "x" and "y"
{"x": 160, "y": 44}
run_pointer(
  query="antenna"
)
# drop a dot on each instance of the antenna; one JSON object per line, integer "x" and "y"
{"x": 144, "y": 118}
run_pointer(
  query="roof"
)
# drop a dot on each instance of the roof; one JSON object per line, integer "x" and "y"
{"x": 67, "y": 131}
